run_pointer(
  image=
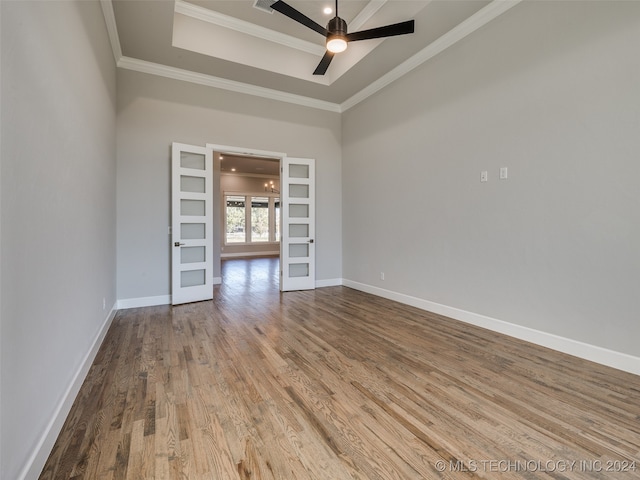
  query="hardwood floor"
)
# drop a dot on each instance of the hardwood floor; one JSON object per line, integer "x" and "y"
{"x": 337, "y": 384}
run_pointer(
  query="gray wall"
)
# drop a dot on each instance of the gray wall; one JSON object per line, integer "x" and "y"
{"x": 551, "y": 91}
{"x": 58, "y": 216}
{"x": 155, "y": 111}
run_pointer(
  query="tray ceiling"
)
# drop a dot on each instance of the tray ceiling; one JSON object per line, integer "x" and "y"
{"x": 235, "y": 45}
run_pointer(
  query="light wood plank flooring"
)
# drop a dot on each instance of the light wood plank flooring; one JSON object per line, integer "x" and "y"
{"x": 336, "y": 384}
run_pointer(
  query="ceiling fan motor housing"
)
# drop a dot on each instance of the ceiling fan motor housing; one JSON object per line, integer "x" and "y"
{"x": 337, "y": 27}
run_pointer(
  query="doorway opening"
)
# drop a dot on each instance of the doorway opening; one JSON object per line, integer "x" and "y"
{"x": 292, "y": 227}
{"x": 250, "y": 220}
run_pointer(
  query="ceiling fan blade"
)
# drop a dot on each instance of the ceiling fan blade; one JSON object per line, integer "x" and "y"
{"x": 401, "y": 28}
{"x": 294, "y": 14}
{"x": 321, "y": 69}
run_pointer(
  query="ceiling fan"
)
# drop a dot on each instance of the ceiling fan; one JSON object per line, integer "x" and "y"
{"x": 336, "y": 32}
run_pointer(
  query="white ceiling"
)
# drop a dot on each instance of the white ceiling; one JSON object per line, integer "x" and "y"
{"x": 231, "y": 44}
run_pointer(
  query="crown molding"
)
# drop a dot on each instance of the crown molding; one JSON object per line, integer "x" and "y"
{"x": 470, "y": 25}
{"x": 226, "y": 21}
{"x": 367, "y": 12}
{"x": 112, "y": 29}
{"x": 217, "y": 82}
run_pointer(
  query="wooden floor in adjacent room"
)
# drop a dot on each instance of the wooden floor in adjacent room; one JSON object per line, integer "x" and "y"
{"x": 336, "y": 384}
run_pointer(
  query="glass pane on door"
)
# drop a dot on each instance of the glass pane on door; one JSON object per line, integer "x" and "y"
{"x": 297, "y": 230}
{"x": 194, "y": 208}
{"x": 192, "y": 231}
{"x": 299, "y": 270}
{"x": 299, "y": 210}
{"x": 298, "y": 170}
{"x": 192, "y": 278}
{"x": 298, "y": 190}
{"x": 192, "y": 160}
{"x": 192, "y": 184}
{"x": 298, "y": 250}
{"x": 192, "y": 255}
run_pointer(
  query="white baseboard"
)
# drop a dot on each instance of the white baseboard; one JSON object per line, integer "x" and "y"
{"x": 603, "y": 356}
{"x": 38, "y": 458}
{"x": 125, "y": 303}
{"x": 331, "y": 282}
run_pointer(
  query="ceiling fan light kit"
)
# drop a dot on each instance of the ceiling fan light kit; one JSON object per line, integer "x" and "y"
{"x": 336, "y": 32}
{"x": 336, "y": 44}
{"x": 337, "y": 36}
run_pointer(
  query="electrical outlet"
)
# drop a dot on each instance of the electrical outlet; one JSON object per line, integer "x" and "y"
{"x": 104, "y": 303}
{"x": 484, "y": 176}
{"x": 503, "y": 173}
{"x": 381, "y": 275}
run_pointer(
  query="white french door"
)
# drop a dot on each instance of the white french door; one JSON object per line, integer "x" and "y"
{"x": 191, "y": 223}
{"x": 297, "y": 244}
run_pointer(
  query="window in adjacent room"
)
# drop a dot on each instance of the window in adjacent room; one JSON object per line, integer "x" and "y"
{"x": 251, "y": 218}
{"x": 235, "y": 219}
{"x": 259, "y": 219}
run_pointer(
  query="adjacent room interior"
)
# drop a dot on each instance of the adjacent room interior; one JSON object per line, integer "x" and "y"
{"x": 250, "y": 206}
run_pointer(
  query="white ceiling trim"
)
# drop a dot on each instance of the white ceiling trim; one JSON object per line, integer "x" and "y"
{"x": 470, "y": 25}
{"x": 217, "y": 82}
{"x": 367, "y": 12}
{"x": 112, "y": 30}
{"x": 248, "y": 28}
